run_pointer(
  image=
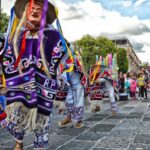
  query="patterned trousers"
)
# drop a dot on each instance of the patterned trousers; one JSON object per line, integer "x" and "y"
{"x": 21, "y": 120}
{"x": 75, "y": 103}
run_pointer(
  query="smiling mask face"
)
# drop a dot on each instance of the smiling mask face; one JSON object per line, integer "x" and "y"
{"x": 35, "y": 14}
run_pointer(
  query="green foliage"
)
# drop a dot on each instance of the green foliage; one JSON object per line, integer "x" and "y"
{"x": 3, "y": 22}
{"x": 90, "y": 47}
{"x": 105, "y": 46}
{"x": 122, "y": 60}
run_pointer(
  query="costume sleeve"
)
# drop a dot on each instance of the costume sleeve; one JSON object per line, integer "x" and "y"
{"x": 54, "y": 51}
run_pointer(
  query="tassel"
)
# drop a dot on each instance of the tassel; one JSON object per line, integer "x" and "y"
{"x": 4, "y": 81}
{"x": 23, "y": 46}
{"x": 14, "y": 26}
{"x": 12, "y": 15}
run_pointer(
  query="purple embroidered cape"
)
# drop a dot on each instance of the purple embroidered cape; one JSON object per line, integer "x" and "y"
{"x": 34, "y": 88}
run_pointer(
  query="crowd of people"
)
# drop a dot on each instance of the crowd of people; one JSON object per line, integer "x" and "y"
{"x": 135, "y": 85}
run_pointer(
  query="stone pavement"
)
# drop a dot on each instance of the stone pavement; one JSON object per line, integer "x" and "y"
{"x": 129, "y": 130}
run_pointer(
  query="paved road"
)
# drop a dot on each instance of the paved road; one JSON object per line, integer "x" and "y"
{"x": 129, "y": 130}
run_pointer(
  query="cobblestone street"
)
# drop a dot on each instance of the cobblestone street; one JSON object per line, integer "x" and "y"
{"x": 129, "y": 130}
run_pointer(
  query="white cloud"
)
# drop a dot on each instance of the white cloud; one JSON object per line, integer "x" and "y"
{"x": 88, "y": 17}
{"x": 127, "y": 3}
{"x": 139, "y": 2}
{"x": 145, "y": 40}
{"x": 6, "y": 5}
{"x": 145, "y": 57}
{"x": 98, "y": 21}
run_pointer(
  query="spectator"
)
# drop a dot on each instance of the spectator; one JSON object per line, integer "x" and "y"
{"x": 141, "y": 84}
{"x": 146, "y": 78}
{"x": 121, "y": 83}
{"x": 133, "y": 86}
{"x": 127, "y": 84}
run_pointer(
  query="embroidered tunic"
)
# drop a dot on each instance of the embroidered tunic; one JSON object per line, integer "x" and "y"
{"x": 33, "y": 88}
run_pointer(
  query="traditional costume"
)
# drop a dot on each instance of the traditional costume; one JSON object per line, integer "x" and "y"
{"x": 74, "y": 101}
{"x": 31, "y": 74}
{"x": 102, "y": 74}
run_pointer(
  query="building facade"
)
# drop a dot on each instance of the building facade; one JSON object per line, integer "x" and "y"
{"x": 134, "y": 62}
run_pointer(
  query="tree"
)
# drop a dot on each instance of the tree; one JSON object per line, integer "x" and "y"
{"x": 90, "y": 47}
{"x": 105, "y": 46}
{"x": 122, "y": 60}
{"x": 3, "y": 22}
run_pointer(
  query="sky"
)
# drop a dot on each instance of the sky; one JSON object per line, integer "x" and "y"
{"x": 110, "y": 18}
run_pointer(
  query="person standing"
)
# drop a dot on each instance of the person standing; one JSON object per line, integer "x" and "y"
{"x": 74, "y": 102}
{"x": 141, "y": 84}
{"x": 127, "y": 85}
{"x": 146, "y": 84}
{"x": 133, "y": 86}
{"x": 30, "y": 64}
{"x": 121, "y": 81}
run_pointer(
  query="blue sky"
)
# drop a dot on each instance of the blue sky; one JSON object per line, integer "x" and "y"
{"x": 142, "y": 11}
{"x": 124, "y": 7}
